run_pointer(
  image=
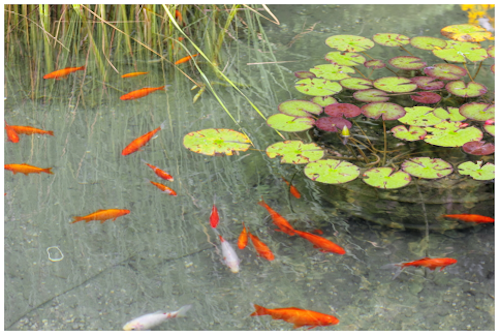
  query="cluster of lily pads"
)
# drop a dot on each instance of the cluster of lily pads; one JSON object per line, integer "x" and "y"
{"x": 443, "y": 110}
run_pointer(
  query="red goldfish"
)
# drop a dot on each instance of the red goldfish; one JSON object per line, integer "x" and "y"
{"x": 214, "y": 217}
{"x": 11, "y": 133}
{"x": 141, "y": 141}
{"x": 160, "y": 173}
{"x": 293, "y": 189}
{"x": 25, "y": 168}
{"x": 243, "y": 239}
{"x": 318, "y": 231}
{"x": 133, "y": 74}
{"x": 102, "y": 215}
{"x": 299, "y": 317}
{"x": 278, "y": 220}
{"x": 141, "y": 93}
{"x": 185, "y": 59}
{"x": 321, "y": 243}
{"x": 470, "y": 218}
{"x": 431, "y": 263}
{"x": 164, "y": 189}
{"x": 27, "y": 130}
{"x": 262, "y": 249}
{"x": 59, "y": 74}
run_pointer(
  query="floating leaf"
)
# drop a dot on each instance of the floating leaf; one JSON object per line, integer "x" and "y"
{"x": 419, "y": 116}
{"x": 285, "y": 122}
{"x": 388, "y": 110}
{"x": 299, "y": 108}
{"x": 407, "y": 62}
{"x": 413, "y": 134}
{"x": 491, "y": 51}
{"x": 459, "y": 51}
{"x": 332, "y": 71}
{"x": 371, "y": 95}
{"x": 427, "y": 83}
{"x": 450, "y": 134}
{"x": 490, "y": 129}
{"x": 452, "y": 114}
{"x": 427, "y": 168}
{"x": 479, "y": 148}
{"x": 216, "y": 141}
{"x": 304, "y": 74}
{"x": 349, "y": 43}
{"x": 317, "y": 86}
{"x": 478, "y": 111}
{"x": 374, "y": 63}
{"x": 331, "y": 171}
{"x": 469, "y": 90}
{"x": 295, "y": 152}
{"x": 384, "y": 178}
{"x": 476, "y": 171}
{"x": 466, "y": 33}
{"x": 324, "y": 101}
{"x": 427, "y": 43}
{"x": 356, "y": 83}
{"x": 391, "y": 40}
{"x": 345, "y": 58}
{"x": 332, "y": 124}
{"x": 426, "y": 97}
{"x": 394, "y": 84}
{"x": 342, "y": 109}
{"x": 445, "y": 71}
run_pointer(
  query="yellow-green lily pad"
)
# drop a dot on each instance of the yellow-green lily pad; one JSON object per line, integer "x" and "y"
{"x": 388, "y": 110}
{"x": 490, "y": 129}
{"x": 451, "y": 114}
{"x": 371, "y": 95}
{"x": 458, "y": 52}
{"x": 427, "y": 168}
{"x": 349, "y": 43}
{"x": 451, "y": 134}
{"x": 395, "y": 84}
{"x": 391, "y": 39}
{"x": 345, "y": 58}
{"x": 445, "y": 71}
{"x": 384, "y": 178}
{"x": 285, "y": 122}
{"x": 478, "y": 111}
{"x": 324, "y": 101}
{"x": 318, "y": 86}
{"x": 466, "y": 33}
{"x": 295, "y": 152}
{"x": 332, "y": 71}
{"x": 427, "y": 43}
{"x": 411, "y": 135}
{"x": 302, "y": 108}
{"x": 476, "y": 171}
{"x": 469, "y": 90}
{"x": 356, "y": 83}
{"x": 419, "y": 116}
{"x": 216, "y": 141}
{"x": 407, "y": 62}
{"x": 331, "y": 171}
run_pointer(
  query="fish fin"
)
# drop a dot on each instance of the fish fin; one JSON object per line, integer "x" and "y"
{"x": 102, "y": 221}
{"x": 77, "y": 218}
{"x": 398, "y": 272}
{"x": 311, "y": 327}
{"x": 391, "y": 265}
{"x": 51, "y": 133}
{"x": 182, "y": 312}
{"x": 259, "y": 310}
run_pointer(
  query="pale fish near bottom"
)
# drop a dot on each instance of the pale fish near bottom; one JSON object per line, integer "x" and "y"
{"x": 151, "y": 320}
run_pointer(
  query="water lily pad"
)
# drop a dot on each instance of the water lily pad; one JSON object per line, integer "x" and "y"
{"x": 478, "y": 111}
{"x": 345, "y": 58}
{"x": 391, "y": 40}
{"x": 299, "y": 108}
{"x": 332, "y": 124}
{"x": 304, "y": 74}
{"x": 388, "y": 110}
{"x": 476, "y": 171}
{"x": 331, "y": 171}
{"x": 349, "y": 43}
{"x": 317, "y": 86}
{"x": 371, "y": 95}
{"x": 216, "y": 141}
{"x": 324, "y": 101}
{"x": 285, "y": 122}
{"x": 427, "y": 43}
{"x": 460, "y": 51}
{"x": 450, "y": 134}
{"x": 491, "y": 51}
{"x": 445, "y": 71}
{"x": 342, "y": 109}
{"x": 466, "y": 33}
{"x": 295, "y": 152}
{"x": 427, "y": 83}
{"x": 490, "y": 129}
{"x": 374, "y": 63}
{"x": 356, "y": 83}
{"x": 407, "y": 62}
{"x": 332, "y": 71}
{"x": 411, "y": 135}
{"x": 469, "y": 90}
{"x": 479, "y": 148}
{"x": 394, "y": 84}
{"x": 427, "y": 168}
{"x": 419, "y": 116}
{"x": 426, "y": 97}
{"x": 451, "y": 114}
{"x": 384, "y": 178}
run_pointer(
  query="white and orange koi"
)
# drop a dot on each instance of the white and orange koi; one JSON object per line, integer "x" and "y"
{"x": 151, "y": 320}
{"x": 228, "y": 254}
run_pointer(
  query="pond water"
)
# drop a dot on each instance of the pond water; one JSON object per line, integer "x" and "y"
{"x": 164, "y": 255}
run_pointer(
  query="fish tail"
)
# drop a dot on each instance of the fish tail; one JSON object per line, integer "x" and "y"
{"x": 182, "y": 312}
{"x": 142, "y": 160}
{"x": 81, "y": 68}
{"x": 48, "y": 170}
{"x": 51, "y": 133}
{"x": 259, "y": 310}
{"x": 77, "y": 218}
{"x": 398, "y": 272}
{"x": 262, "y": 203}
{"x": 163, "y": 124}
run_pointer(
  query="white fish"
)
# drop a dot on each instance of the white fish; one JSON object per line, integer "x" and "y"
{"x": 230, "y": 257}
{"x": 151, "y": 320}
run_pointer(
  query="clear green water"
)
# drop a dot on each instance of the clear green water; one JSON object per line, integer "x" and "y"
{"x": 162, "y": 255}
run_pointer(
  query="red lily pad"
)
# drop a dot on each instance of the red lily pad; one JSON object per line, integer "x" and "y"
{"x": 374, "y": 63}
{"x": 342, "y": 109}
{"x": 345, "y": 58}
{"x": 427, "y": 83}
{"x": 466, "y": 33}
{"x": 426, "y": 97}
{"x": 445, "y": 71}
{"x": 299, "y": 108}
{"x": 391, "y": 39}
{"x": 394, "y": 84}
{"x": 388, "y": 110}
{"x": 349, "y": 43}
{"x": 427, "y": 43}
{"x": 304, "y": 74}
{"x": 332, "y": 124}
{"x": 371, "y": 95}
{"x": 479, "y": 148}
{"x": 407, "y": 62}
{"x": 356, "y": 83}
{"x": 478, "y": 111}
{"x": 469, "y": 90}
{"x": 324, "y": 101}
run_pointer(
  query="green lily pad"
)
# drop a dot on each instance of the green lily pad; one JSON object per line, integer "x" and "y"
{"x": 411, "y": 135}
{"x": 394, "y": 84}
{"x": 427, "y": 168}
{"x": 331, "y": 171}
{"x": 374, "y": 63}
{"x": 332, "y": 71}
{"x": 451, "y": 114}
{"x": 371, "y": 95}
{"x": 469, "y": 90}
{"x": 419, "y": 116}
{"x": 466, "y": 33}
{"x": 450, "y": 134}
{"x": 356, "y": 83}
{"x": 324, "y": 101}
{"x": 491, "y": 51}
{"x": 388, "y": 110}
{"x": 295, "y": 152}
{"x": 391, "y": 40}
{"x": 458, "y": 52}
{"x": 385, "y": 178}
{"x": 318, "y": 86}
{"x": 445, "y": 71}
{"x": 285, "y": 122}
{"x": 476, "y": 171}
{"x": 345, "y": 58}
{"x": 490, "y": 129}
{"x": 216, "y": 141}
{"x": 349, "y": 43}
{"x": 407, "y": 62}
{"x": 299, "y": 108}
{"x": 427, "y": 43}
{"x": 478, "y": 111}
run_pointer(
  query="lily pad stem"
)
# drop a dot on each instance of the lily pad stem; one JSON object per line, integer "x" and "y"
{"x": 362, "y": 75}
{"x": 466, "y": 69}
{"x": 406, "y": 50}
{"x": 385, "y": 144}
{"x": 361, "y": 152}
{"x": 367, "y": 55}
{"x": 479, "y": 68}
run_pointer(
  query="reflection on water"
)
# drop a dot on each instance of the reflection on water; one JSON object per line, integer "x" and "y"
{"x": 163, "y": 255}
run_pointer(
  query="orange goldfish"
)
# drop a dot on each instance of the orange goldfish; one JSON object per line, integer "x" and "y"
{"x": 160, "y": 173}
{"x": 262, "y": 249}
{"x": 27, "y": 130}
{"x": 431, "y": 263}
{"x": 25, "y": 168}
{"x": 214, "y": 217}
{"x": 164, "y": 189}
{"x": 178, "y": 16}
{"x": 11, "y": 133}
{"x": 185, "y": 59}
{"x": 293, "y": 189}
{"x": 141, "y": 141}
{"x": 321, "y": 243}
{"x": 243, "y": 239}
{"x": 141, "y": 93}
{"x": 133, "y": 74}
{"x": 469, "y": 218}
{"x": 59, "y": 74}
{"x": 103, "y": 215}
{"x": 299, "y": 317}
{"x": 318, "y": 231}
{"x": 278, "y": 220}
